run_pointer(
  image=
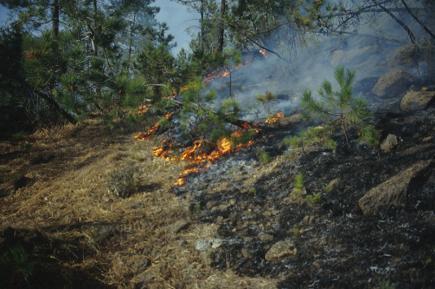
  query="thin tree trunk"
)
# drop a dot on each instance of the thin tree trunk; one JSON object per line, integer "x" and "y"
{"x": 399, "y": 21}
{"x": 221, "y": 35}
{"x": 417, "y": 20}
{"x": 130, "y": 44}
{"x": 201, "y": 39}
{"x": 55, "y": 16}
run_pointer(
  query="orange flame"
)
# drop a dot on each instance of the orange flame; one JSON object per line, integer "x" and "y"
{"x": 153, "y": 129}
{"x": 263, "y": 52}
{"x": 143, "y": 109}
{"x": 217, "y": 74}
{"x": 199, "y": 153}
{"x": 275, "y": 118}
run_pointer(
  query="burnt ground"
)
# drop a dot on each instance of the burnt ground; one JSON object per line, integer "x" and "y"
{"x": 84, "y": 207}
{"x": 337, "y": 246}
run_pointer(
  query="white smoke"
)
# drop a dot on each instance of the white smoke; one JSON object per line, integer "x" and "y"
{"x": 367, "y": 49}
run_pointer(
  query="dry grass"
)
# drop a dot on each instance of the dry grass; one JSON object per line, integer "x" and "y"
{"x": 139, "y": 242}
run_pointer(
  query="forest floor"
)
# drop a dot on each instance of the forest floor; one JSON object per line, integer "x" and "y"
{"x": 86, "y": 207}
{"x": 64, "y": 226}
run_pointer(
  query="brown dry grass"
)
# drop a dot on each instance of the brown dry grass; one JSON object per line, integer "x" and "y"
{"x": 136, "y": 240}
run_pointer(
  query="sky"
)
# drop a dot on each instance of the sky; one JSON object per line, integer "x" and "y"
{"x": 180, "y": 19}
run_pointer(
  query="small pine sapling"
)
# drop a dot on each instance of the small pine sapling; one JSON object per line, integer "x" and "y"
{"x": 339, "y": 108}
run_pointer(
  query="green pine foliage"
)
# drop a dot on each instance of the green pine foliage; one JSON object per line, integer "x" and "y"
{"x": 319, "y": 136}
{"x": 266, "y": 100}
{"x": 340, "y": 109}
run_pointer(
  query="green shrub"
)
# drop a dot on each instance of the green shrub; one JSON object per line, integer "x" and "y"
{"x": 263, "y": 156}
{"x": 340, "y": 109}
{"x": 313, "y": 136}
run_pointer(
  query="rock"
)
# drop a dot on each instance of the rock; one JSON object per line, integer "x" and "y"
{"x": 204, "y": 245}
{"x": 393, "y": 192}
{"x": 390, "y": 142}
{"x": 393, "y": 84}
{"x": 265, "y": 237}
{"x": 416, "y": 100}
{"x": 408, "y": 55}
{"x": 428, "y": 139}
{"x": 282, "y": 249}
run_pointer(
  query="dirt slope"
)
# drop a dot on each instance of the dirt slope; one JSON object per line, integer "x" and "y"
{"x": 64, "y": 226}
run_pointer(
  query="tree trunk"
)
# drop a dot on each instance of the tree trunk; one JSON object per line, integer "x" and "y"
{"x": 55, "y": 17}
{"x": 221, "y": 35}
{"x": 201, "y": 39}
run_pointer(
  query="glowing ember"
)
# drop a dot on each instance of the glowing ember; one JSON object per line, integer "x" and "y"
{"x": 263, "y": 52}
{"x": 152, "y": 130}
{"x": 224, "y": 145}
{"x": 226, "y": 73}
{"x": 275, "y": 118}
{"x": 143, "y": 109}
{"x": 180, "y": 182}
{"x": 199, "y": 153}
{"x": 217, "y": 74}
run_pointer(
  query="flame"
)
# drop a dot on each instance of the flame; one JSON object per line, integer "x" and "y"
{"x": 199, "y": 153}
{"x": 224, "y": 145}
{"x": 143, "y": 109}
{"x": 217, "y": 74}
{"x": 181, "y": 181}
{"x": 263, "y": 52}
{"x": 275, "y": 118}
{"x": 226, "y": 73}
{"x": 153, "y": 129}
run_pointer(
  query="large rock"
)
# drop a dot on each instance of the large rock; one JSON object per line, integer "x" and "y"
{"x": 393, "y": 84}
{"x": 390, "y": 142}
{"x": 416, "y": 100}
{"x": 407, "y": 55}
{"x": 282, "y": 249}
{"x": 392, "y": 193}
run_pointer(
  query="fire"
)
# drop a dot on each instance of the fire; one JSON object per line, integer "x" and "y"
{"x": 217, "y": 74}
{"x": 153, "y": 129}
{"x": 263, "y": 52}
{"x": 275, "y": 118}
{"x": 143, "y": 109}
{"x": 180, "y": 182}
{"x": 201, "y": 153}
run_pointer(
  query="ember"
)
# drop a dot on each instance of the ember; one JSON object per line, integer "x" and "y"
{"x": 152, "y": 130}
{"x": 143, "y": 109}
{"x": 275, "y": 118}
{"x": 263, "y": 52}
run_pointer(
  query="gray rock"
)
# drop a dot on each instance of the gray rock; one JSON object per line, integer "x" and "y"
{"x": 204, "y": 245}
{"x": 280, "y": 250}
{"x": 390, "y": 142}
{"x": 393, "y": 84}
{"x": 416, "y": 100}
{"x": 392, "y": 193}
{"x": 407, "y": 55}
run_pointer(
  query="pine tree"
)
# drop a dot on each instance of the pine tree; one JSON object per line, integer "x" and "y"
{"x": 339, "y": 108}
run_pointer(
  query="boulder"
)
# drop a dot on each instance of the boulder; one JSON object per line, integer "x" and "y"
{"x": 407, "y": 55}
{"x": 282, "y": 249}
{"x": 416, "y": 100}
{"x": 390, "y": 142}
{"x": 392, "y": 193}
{"x": 393, "y": 84}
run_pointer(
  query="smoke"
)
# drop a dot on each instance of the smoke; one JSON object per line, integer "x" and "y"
{"x": 180, "y": 20}
{"x": 368, "y": 50}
